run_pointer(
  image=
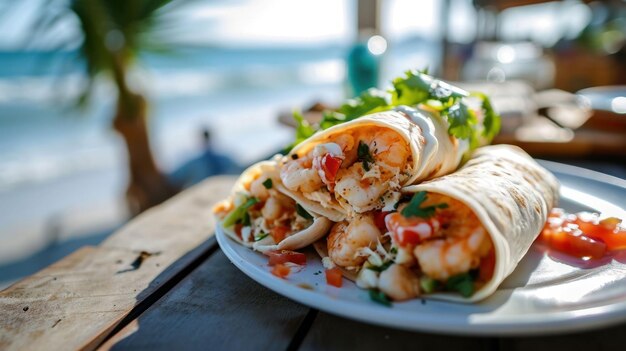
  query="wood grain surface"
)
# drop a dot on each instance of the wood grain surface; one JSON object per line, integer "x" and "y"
{"x": 161, "y": 283}
{"x": 218, "y": 308}
{"x": 76, "y": 302}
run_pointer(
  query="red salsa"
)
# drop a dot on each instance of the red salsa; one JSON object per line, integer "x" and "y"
{"x": 583, "y": 235}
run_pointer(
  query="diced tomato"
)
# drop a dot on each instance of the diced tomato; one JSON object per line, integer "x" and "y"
{"x": 330, "y": 166}
{"x": 573, "y": 243}
{"x": 379, "y": 220}
{"x": 284, "y": 256}
{"x": 606, "y": 230}
{"x": 237, "y": 228}
{"x": 279, "y": 233}
{"x": 334, "y": 277}
{"x": 611, "y": 223}
{"x": 583, "y": 234}
{"x": 404, "y": 229}
{"x": 406, "y": 238}
{"x": 487, "y": 266}
{"x": 258, "y": 206}
{"x": 281, "y": 271}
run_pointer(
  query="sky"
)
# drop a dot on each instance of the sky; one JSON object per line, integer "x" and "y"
{"x": 250, "y": 23}
{"x": 247, "y": 22}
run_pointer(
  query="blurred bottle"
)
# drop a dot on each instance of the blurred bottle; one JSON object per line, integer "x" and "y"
{"x": 363, "y": 63}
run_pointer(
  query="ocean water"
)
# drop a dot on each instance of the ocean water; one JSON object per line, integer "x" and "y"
{"x": 237, "y": 92}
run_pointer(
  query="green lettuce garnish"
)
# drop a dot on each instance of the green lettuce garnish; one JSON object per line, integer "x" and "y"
{"x": 240, "y": 213}
{"x": 415, "y": 209}
{"x": 379, "y": 297}
{"x": 461, "y": 283}
{"x": 412, "y": 89}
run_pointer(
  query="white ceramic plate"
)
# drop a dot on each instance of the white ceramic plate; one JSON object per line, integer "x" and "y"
{"x": 543, "y": 295}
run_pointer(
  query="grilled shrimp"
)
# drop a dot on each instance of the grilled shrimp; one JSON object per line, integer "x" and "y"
{"x": 347, "y": 239}
{"x": 299, "y": 175}
{"x": 258, "y": 190}
{"x": 389, "y": 148}
{"x": 399, "y": 283}
{"x": 450, "y": 242}
{"x": 363, "y": 188}
{"x": 443, "y": 258}
{"x": 361, "y": 194}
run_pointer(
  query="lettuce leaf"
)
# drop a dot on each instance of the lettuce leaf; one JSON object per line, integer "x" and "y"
{"x": 412, "y": 89}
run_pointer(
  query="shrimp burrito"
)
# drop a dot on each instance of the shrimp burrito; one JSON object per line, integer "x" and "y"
{"x": 361, "y": 165}
{"x": 259, "y": 216}
{"x": 453, "y": 238}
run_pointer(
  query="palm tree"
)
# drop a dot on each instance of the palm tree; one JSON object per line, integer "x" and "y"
{"x": 113, "y": 33}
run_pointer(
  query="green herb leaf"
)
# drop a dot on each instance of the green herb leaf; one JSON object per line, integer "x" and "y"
{"x": 245, "y": 221}
{"x": 303, "y": 130}
{"x": 267, "y": 183}
{"x": 261, "y": 236}
{"x": 239, "y": 213}
{"x": 428, "y": 285}
{"x": 380, "y": 268}
{"x": 363, "y": 155}
{"x": 412, "y": 89}
{"x": 461, "y": 283}
{"x": 491, "y": 121}
{"x": 379, "y": 297}
{"x": 368, "y": 102}
{"x": 394, "y": 250}
{"x": 303, "y": 213}
{"x": 414, "y": 209}
{"x": 461, "y": 121}
{"x": 331, "y": 118}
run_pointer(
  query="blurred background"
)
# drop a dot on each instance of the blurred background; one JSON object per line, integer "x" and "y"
{"x": 109, "y": 107}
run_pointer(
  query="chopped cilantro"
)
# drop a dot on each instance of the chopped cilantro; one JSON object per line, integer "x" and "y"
{"x": 302, "y": 212}
{"x": 364, "y": 155}
{"x": 461, "y": 283}
{"x": 491, "y": 120}
{"x": 379, "y": 297}
{"x": 369, "y": 101}
{"x": 380, "y": 268}
{"x": 394, "y": 250}
{"x": 412, "y": 89}
{"x": 239, "y": 214}
{"x": 245, "y": 221}
{"x": 414, "y": 209}
{"x": 268, "y": 183}
{"x": 261, "y": 236}
{"x": 303, "y": 130}
{"x": 428, "y": 284}
{"x": 461, "y": 121}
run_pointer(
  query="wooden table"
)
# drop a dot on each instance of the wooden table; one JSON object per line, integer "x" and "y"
{"x": 161, "y": 282}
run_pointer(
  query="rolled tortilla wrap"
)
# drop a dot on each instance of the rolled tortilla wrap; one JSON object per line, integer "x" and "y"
{"x": 258, "y": 190}
{"x": 404, "y": 146}
{"x": 493, "y": 208}
{"x": 510, "y": 194}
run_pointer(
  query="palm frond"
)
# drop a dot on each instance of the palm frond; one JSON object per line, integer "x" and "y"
{"x": 113, "y": 32}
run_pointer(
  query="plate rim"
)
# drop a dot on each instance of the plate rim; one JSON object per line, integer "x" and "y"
{"x": 572, "y": 320}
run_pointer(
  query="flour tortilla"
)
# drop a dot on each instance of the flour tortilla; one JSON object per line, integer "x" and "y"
{"x": 303, "y": 238}
{"x": 434, "y": 152}
{"x": 512, "y": 196}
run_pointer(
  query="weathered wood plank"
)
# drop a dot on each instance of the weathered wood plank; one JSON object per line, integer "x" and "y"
{"x": 330, "y": 332}
{"x": 183, "y": 221}
{"x": 76, "y": 302}
{"x": 216, "y": 307}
